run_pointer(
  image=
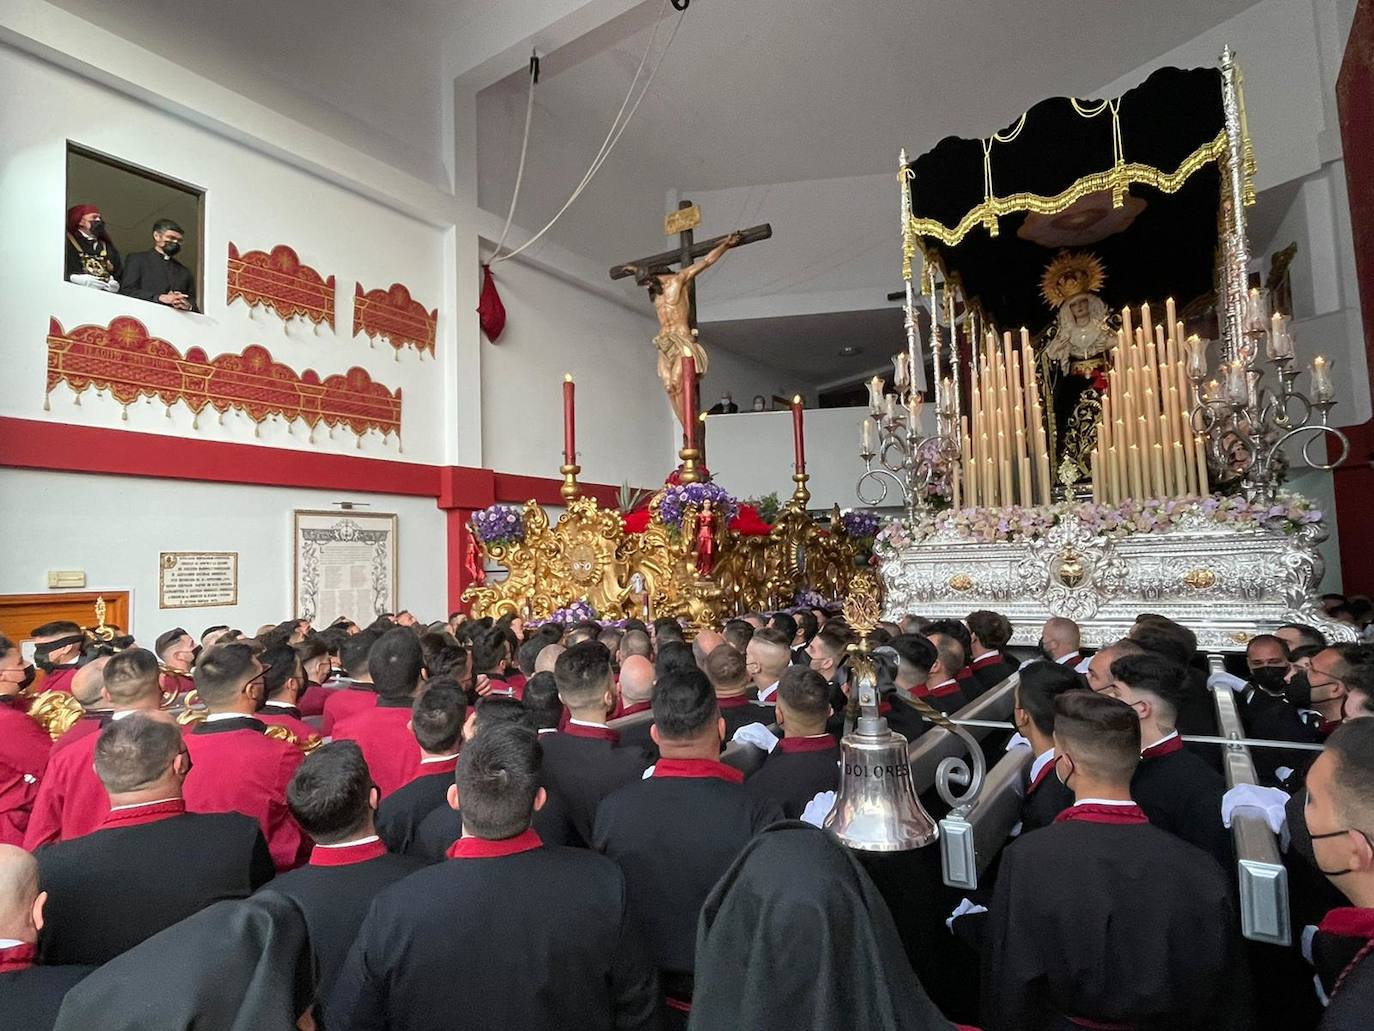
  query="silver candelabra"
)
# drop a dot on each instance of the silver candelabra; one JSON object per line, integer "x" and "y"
{"x": 913, "y": 463}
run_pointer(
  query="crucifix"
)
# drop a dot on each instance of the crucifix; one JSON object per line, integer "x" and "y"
{"x": 674, "y": 293}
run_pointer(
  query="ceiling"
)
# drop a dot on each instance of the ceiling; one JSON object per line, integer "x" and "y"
{"x": 808, "y": 345}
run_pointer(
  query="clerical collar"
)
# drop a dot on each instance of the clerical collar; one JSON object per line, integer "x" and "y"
{"x": 119, "y": 714}
{"x": 1044, "y": 762}
{"x": 346, "y": 853}
{"x": 697, "y": 769}
{"x": 1167, "y": 745}
{"x": 486, "y": 848}
{"x": 767, "y": 694}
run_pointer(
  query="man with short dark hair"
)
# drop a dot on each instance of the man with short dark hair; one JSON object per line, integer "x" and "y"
{"x": 1177, "y": 790}
{"x": 583, "y": 762}
{"x": 436, "y": 720}
{"x": 543, "y": 707}
{"x": 1101, "y": 920}
{"x": 677, "y": 831}
{"x": 283, "y": 680}
{"x": 1300, "y": 635}
{"x": 353, "y": 692}
{"x": 71, "y": 800}
{"x": 725, "y": 668}
{"x": 667, "y": 630}
{"x": 559, "y": 945}
{"x": 1174, "y": 642}
{"x": 806, "y": 760}
{"x": 635, "y": 642}
{"x": 176, "y": 651}
{"x": 397, "y": 666}
{"x": 1335, "y": 671}
{"x": 1339, "y": 813}
{"x": 828, "y": 653}
{"x": 737, "y": 633}
{"x": 156, "y": 275}
{"x": 769, "y": 653}
{"x": 334, "y": 800}
{"x": 239, "y": 766}
{"x": 24, "y": 747}
{"x": 1038, "y": 688}
{"x": 988, "y": 664}
{"x": 916, "y": 656}
{"x": 941, "y": 688}
{"x": 1100, "y": 665}
{"x": 57, "y": 652}
{"x": 151, "y": 863}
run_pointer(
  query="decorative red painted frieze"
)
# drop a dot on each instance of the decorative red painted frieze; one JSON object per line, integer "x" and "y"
{"x": 281, "y": 281}
{"x": 396, "y": 316}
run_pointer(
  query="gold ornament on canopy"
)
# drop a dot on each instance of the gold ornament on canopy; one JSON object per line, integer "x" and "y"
{"x": 1070, "y": 274}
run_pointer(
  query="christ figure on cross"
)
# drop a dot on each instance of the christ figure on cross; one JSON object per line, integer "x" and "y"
{"x": 670, "y": 291}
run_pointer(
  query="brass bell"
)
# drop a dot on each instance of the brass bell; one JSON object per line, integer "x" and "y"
{"x": 876, "y": 808}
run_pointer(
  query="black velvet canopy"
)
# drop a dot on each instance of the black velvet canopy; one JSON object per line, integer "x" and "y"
{"x": 1172, "y": 141}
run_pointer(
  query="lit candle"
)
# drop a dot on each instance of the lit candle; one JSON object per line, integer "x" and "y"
{"x": 799, "y": 436}
{"x": 569, "y": 421}
{"x": 899, "y": 364}
{"x": 1322, "y": 388}
{"x": 1212, "y": 391}
{"x": 1236, "y": 391}
{"x": 875, "y": 395}
{"x": 1171, "y": 313}
{"x": 913, "y": 410}
{"x": 890, "y": 407}
{"x": 1196, "y": 349}
{"x": 1256, "y": 312}
{"x": 1157, "y": 469}
{"x": 1281, "y": 337}
{"x": 1137, "y": 490}
{"x": 1204, "y": 488}
{"x": 867, "y": 438}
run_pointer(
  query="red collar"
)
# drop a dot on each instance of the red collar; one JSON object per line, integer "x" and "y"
{"x": 630, "y": 710}
{"x": 595, "y": 733}
{"x": 944, "y": 690}
{"x": 1327, "y": 726}
{"x": 17, "y": 957}
{"x": 818, "y": 743}
{"x": 1090, "y": 813}
{"x": 485, "y": 848}
{"x": 1349, "y": 922}
{"x": 698, "y": 768}
{"x": 1071, "y": 659}
{"x": 144, "y": 814}
{"x": 1169, "y": 747}
{"x": 1040, "y": 777}
{"x": 734, "y": 702}
{"x": 348, "y": 855}
{"x": 985, "y": 659}
{"x": 448, "y": 766}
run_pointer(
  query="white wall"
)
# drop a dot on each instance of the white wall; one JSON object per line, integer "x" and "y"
{"x": 113, "y": 527}
{"x": 251, "y": 199}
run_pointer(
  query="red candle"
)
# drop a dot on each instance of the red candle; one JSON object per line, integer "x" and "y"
{"x": 689, "y": 397}
{"x": 569, "y": 422}
{"x": 798, "y": 436}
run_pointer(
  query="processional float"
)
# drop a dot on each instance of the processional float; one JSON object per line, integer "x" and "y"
{"x": 692, "y": 552}
{"x": 1101, "y": 466}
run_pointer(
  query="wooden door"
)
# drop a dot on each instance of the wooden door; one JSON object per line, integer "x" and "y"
{"x": 20, "y": 613}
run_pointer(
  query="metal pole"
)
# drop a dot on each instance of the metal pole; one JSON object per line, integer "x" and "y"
{"x": 1200, "y": 739}
{"x": 1235, "y": 239}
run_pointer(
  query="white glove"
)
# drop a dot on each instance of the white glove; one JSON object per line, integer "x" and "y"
{"x": 1018, "y": 740}
{"x": 818, "y": 808}
{"x": 1268, "y": 801}
{"x": 1223, "y": 679}
{"x": 758, "y": 735}
{"x": 964, "y": 908}
{"x": 86, "y": 279}
{"x": 112, "y": 285}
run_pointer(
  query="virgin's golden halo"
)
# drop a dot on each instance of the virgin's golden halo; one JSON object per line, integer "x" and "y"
{"x": 1071, "y": 273}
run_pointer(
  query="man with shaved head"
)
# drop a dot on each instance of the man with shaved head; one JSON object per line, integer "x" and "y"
{"x": 548, "y": 658}
{"x": 30, "y": 995}
{"x": 636, "y": 685}
{"x": 1059, "y": 642}
{"x": 704, "y": 644}
{"x": 1100, "y": 665}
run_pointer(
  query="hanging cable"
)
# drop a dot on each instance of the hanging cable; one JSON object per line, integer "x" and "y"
{"x": 524, "y": 148}
{"x": 617, "y": 129}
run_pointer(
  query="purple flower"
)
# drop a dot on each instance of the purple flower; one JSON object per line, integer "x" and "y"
{"x": 499, "y": 524}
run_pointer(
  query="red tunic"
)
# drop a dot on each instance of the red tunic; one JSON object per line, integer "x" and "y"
{"x": 383, "y": 734}
{"x": 288, "y": 717}
{"x": 60, "y": 679}
{"x": 71, "y": 800}
{"x": 89, "y": 724}
{"x": 344, "y": 702}
{"x": 235, "y": 767}
{"x": 312, "y": 699}
{"x": 24, "y": 747}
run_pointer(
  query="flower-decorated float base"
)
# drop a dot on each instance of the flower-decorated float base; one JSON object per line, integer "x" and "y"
{"x": 1226, "y": 568}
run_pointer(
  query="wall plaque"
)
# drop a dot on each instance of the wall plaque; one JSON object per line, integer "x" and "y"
{"x": 197, "y": 579}
{"x": 345, "y": 565}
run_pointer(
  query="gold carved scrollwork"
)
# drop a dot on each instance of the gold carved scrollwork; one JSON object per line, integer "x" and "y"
{"x": 1200, "y": 579}
{"x": 55, "y": 712}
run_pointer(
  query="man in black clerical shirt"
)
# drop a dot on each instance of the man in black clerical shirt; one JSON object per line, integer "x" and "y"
{"x": 677, "y": 831}
{"x": 583, "y": 762}
{"x": 1102, "y": 920}
{"x": 151, "y": 863}
{"x": 549, "y": 932}
{"x": 436, "y": 720}
{"x": 30, "y": 995}
{"x": 156, "y": 275}
{"x": 1179, "y": 791}
{"x": 806, "y": 761}
{"x": 333, "y": 798}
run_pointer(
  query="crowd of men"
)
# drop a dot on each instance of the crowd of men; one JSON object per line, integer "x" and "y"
{"x": 487, "y": 824}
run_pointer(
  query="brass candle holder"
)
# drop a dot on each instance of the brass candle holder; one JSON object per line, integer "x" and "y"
{"x": 570, "y": 490}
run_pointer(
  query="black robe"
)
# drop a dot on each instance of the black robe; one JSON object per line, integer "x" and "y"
{"x": 401, "y": 812}
{"x": 336, "y": 897}
{"x": 538, "y": 938}
{"x": 148, "y": 275}
{"x": 112, "y": 889}
{"x": 1343, "y": 953}
{"x": 237, "y": 966}
{"x": 674, "y": 834}
{"x": 988, "y": 675}
{"x": 1182, "y": 795}
{"x": 582, "y": 765}
{"x": 797, "y": 770}
{"x": 435, "y": 833}
{"x": 796, "y": 884}
{"x": 80, "y": 248}
{"x": 1046, "y": 797}
{"x": 30, "y": 998}
{"x": 1265, "y": 716}
{"x": 1111, "y": 922}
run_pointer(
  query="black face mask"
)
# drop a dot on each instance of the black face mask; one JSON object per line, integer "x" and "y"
{"x": 1271, "y": 679}
{"x": 1336, "y": 834}
{"x": 171, "y": 247}
{"x": 97, "y": 227}
{"x": 42, "y": 651}
{"x": 1298, "y": 691}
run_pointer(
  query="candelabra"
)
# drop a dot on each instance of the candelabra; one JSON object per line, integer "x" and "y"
{"x": 1245, "y": 426}
{"x": 915, "y": 464}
